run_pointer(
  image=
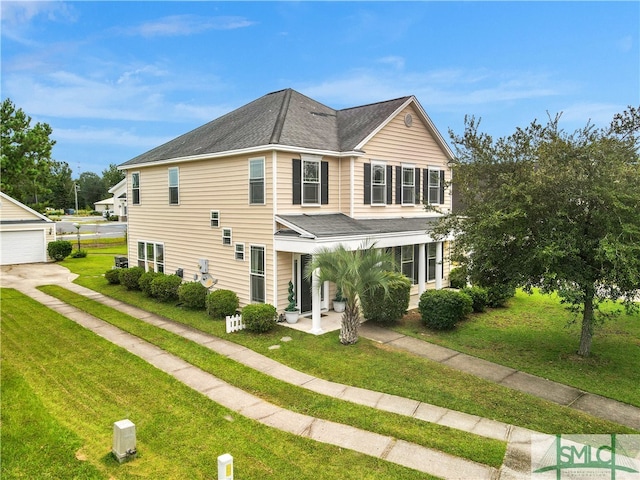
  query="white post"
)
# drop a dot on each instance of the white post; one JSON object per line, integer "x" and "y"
{"x": 225, "y": 467}
{"x": 422, "y": 268}
{"x": 316, "y": 323}
{"x": 439, "y": 265}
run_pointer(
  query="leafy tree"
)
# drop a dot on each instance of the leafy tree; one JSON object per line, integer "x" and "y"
{"x": 112, "y": 176}
{"x": 25, "y": 155}
{"x": 544, "y": 208}
{"x": 60, "y": 186}
{"x": 355, "y": 273}
{"x": 91, "y": 189}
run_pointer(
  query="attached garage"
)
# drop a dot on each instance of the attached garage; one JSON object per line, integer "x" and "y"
{"x": 24, "y": 233}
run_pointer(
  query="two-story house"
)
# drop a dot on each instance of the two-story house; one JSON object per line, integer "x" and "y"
{"x": 249, "y": 197}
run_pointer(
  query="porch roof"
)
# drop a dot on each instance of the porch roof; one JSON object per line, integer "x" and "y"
{"x": 317, "y": 226}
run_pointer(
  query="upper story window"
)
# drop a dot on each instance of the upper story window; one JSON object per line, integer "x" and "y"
{"x": 310, "y": 181}
{"x": 239, "y": 251}
{"x": 226, "y": 236}
{"x": 256, "y": 181}
{"x": 408, "y": 185}
{"x": 434, "y": 184}
{"x": 174, "y": 182}
{"x": 135, "y": 188}
{"x": 215, "y": 218}
{"x": 378, "y": 184}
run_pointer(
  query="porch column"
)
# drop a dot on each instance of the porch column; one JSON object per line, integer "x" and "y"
{"x": 439, "y": 265}
{"x": 422, "y": 268}
{"x": 316, "y": 327}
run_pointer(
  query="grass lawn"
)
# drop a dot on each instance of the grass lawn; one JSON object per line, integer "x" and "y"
{"x": 63, "y": 387}
{"x": 376, "y": 367}
{"x": 534, "y": 334}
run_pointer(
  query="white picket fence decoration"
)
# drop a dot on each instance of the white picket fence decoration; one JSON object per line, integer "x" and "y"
{"x": 234, "y": 323}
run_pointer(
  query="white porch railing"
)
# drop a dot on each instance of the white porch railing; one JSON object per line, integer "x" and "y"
{"x": 234, "y": 323}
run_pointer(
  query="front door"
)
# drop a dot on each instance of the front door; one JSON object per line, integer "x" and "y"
{"x": 304, "y": 298}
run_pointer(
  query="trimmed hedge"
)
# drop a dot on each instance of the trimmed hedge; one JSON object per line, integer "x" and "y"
{"x": 221, "y": 303}
{"x": 259, "y": 317}
{"x": 145, "y": 281}
{"x": 165, "y": 287}
{"x": 129, "y": 277}
{"x": 387, "y": 309}
{"x": 479, "y": 297}
{"x": 458, "y": 277}
{"x": 59, "y": 250}
{"x": 193, "y": 295}
{"x": 112, "y": 276}
{"x": 442, "y": 309}
{"x": 497, "y": 295}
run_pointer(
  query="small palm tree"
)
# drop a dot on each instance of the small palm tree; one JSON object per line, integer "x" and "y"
{"x": 354, "y": 273}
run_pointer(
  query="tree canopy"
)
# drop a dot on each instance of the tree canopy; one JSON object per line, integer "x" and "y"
{"x": 25, "y": 155}
{"x": 548, "y": 209}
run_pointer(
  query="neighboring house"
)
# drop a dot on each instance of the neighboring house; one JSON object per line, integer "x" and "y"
{"x": 119, "y": 192}
{"x": 24, "y": 233}
{"x": 249, "y": 197}
{"x": 105, "y": 205}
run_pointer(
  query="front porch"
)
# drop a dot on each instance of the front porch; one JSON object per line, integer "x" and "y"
{"x": 330, "y": 320}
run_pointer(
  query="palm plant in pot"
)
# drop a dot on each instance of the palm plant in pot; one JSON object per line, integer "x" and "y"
{"x": 339, "y": 302}
{"x": 291, "y": 313}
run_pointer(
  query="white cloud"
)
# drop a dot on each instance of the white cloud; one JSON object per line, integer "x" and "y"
{"x": 112, "y": 137}
{"x": 182, "y": 25}
{"x": 17, "y": 17}
{"x": 600, "y": 114}
{"x": 393, "y": 60}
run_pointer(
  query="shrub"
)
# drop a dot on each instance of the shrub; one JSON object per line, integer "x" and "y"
{"x": 129, "y": 277}
{"x": 79, "y": 254}
{"x": 59, "y": 250}
{"x": 458, "y": 277}
{"x": 193, "y": 295}
{"x": 221, "y": 303}
{"x": 259, "y": 317}
{"x": 387, "y": 309}
{"x": 497, "y": 295}
{"x": 144, "y": 282}
{"x": 113, "y": 276}
{"x": 442, "y": 309}
{"x": 165, "y": 287}
{"x": 479, "y": 297}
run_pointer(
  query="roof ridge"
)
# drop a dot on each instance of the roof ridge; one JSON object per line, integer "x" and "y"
{"x": 282, "y": 114}
{"x": 376, "y": 103}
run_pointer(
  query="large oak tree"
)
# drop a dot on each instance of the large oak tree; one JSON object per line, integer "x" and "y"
{"x": 554, "y": 210}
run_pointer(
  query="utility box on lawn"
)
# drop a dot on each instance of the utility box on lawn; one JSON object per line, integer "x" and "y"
{"x": 124, "y": 440}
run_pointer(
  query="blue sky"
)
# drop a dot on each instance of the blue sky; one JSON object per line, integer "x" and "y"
{"x": 115, "y": 79}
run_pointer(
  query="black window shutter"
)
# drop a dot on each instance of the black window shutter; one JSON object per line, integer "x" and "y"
{"x": 367, "y": 184}
{"x": 398, "y": 185}
{"x": 441, "y": 186}
{"x": 425, "y": 185}
{"x": 417, "y": 186}
{"x": 416, "y": 263}
{"x": 398, "y": 254}
{"x": 297, "y": 179}
{"x": 324, "y": 183}
{"x": 389, "y": 185}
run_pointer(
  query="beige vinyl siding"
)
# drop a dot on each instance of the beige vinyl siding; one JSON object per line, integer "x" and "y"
{"x": 185, "y": 229}
{"x": 11, "y": 211}
{"x": 397, "y": 144}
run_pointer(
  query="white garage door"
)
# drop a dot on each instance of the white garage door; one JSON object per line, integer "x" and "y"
{"x": 22, "y": 247}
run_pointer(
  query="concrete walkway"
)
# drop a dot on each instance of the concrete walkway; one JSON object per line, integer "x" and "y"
{"x": 516, "y": 464}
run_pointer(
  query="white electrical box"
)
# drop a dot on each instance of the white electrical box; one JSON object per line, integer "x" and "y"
{"x": 204, "y": 265}
{"x": 124, "y": 440}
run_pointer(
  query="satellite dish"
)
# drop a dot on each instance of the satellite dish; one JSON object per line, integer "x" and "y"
{"x": 207, "y": 280}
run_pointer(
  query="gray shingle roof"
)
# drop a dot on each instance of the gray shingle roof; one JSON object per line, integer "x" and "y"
{"x": 338, "y": 224}
{"x": 285, "y": 117}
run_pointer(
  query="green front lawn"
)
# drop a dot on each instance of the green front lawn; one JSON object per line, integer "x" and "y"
{"x": 63, "y": 387}
{"x": 535, "y": 335}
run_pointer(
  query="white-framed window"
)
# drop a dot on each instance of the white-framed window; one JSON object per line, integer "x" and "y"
{"x": 408, "y": 185}
{"x": 431, "y": 261}
{"x": 256, "y": 181}
{"x": 215, "y": 218}
{"x": 239, "y": 251}
{"x": 378, "y": 183}
{"x": 257, "y": 274}
{"x": 226, "y": 236}
{"x": 407, "y": 261}
{"x": 135, "y": 188}
{"x": 434, "y": 187}
{"x": 310, "y": 182}
{"x": 174, "y": 185}
{"x": 151, "y": 256}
